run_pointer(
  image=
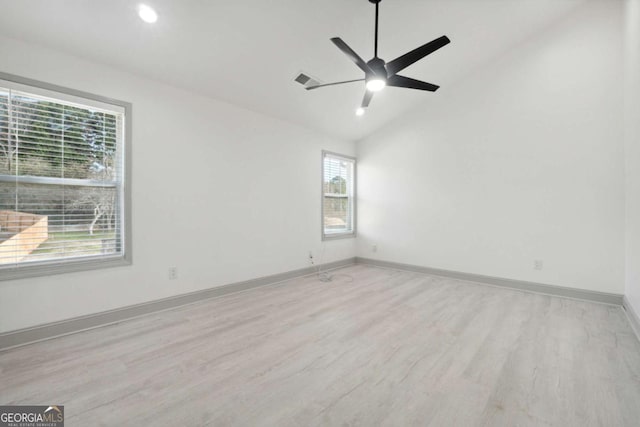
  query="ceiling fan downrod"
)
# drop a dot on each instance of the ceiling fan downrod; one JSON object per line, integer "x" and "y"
{"x": 375, "y": 49}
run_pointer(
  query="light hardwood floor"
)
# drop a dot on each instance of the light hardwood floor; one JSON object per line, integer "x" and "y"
{"x": 386, "y": 348}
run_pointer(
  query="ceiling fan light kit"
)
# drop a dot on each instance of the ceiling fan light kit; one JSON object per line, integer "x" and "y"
{"x": 376, "y": 84}
{"x": 378, "y": 74}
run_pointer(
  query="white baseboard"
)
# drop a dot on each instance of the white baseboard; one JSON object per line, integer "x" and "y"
{"x": 25, "y": 336}
{"x": 560, "y": 291}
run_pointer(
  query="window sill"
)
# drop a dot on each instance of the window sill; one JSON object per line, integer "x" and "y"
{"x": 337, "y": 236}
{"x": 49, "y": 268}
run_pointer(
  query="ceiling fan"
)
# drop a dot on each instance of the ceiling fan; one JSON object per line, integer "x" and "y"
{"x": 378, "y": 73}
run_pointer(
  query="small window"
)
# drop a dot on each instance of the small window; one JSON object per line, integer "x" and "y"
{"x": 338, "y": 196}
{"x": 62, "y": 179}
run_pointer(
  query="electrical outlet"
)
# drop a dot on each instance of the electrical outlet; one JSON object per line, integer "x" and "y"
{"x": 538, "y": 264}
{"x": 374, "y": 248}
{"x": 311, "y": 261}
{"x": 173, "y": 273}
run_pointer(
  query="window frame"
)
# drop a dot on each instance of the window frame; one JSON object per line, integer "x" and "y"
{"x": 45, "y": 268}
{"x": 342, "y": 235}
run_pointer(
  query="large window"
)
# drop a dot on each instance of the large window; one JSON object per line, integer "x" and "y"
{"x": 338, "y": 196}
{"x": 62, "y": 179}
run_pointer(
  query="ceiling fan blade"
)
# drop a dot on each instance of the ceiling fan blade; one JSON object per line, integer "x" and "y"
{"x": 402, "y": 81}
{"x": 352, "y": 55}
{"x": 333, "y": 84}
{"x": 367, "y": 99}
{"x": 415, "y": 55}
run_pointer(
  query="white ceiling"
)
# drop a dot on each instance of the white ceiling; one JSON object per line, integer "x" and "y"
{"x": 247, "y": 52}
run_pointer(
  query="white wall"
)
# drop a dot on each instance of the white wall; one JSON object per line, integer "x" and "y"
{"x": 222, "y": 193}
{"x": 632, "y": 149}
{"x": 521, "y": 161}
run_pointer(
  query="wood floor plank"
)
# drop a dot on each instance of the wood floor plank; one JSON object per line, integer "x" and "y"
{"x": 372, "y": 347}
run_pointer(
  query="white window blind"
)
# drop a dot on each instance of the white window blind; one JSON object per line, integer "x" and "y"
{"x": 61, "y": 178}
{"x": 338, "y": 196}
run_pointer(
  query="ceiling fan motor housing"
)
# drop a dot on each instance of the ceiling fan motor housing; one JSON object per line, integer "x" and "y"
{"x": 377, "y": 65}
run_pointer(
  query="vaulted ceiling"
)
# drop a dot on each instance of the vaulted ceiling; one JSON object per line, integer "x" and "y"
{"x": 248, "y": 52}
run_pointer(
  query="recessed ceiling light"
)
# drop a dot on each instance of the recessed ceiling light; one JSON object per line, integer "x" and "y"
{"x": 375, "y": 85}
{"x": 359, "y": 111}
{"x": 147, "y": 14}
